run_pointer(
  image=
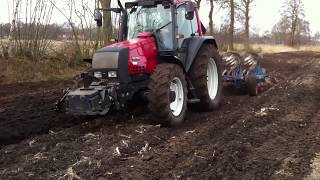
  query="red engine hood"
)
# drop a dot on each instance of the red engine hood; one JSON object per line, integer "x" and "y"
{"x": 135, "y": 43}
{"x": 142, "y": 53}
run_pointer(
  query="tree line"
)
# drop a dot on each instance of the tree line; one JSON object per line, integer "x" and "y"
{"x": 293, "y": 29}
{"x": 30, "y": 33}
{"x": 36, "y": 32}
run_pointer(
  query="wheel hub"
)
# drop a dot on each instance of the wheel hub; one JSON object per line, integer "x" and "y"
{"x": 176, "y": 96}
{"x": 172, "y": 96}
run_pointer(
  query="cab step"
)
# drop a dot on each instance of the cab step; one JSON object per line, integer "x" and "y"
{"x": 193, "y": 101}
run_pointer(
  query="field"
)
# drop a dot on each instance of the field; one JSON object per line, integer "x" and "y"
{"x": 273, "y": 136}
{"x": 63, "y": 63}
{"x": 277, "y": 48}
{"x": 20, "y": 70}
{"x": 59, "y": 61}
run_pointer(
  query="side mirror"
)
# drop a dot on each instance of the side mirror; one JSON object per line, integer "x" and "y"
{"x": 98, "y": 17}
{"x": 190, "y": 10}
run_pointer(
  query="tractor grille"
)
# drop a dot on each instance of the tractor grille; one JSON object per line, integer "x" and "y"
{"x": 136, "y": 69}
{"x": 103, "y": 60}
{"x": 78, "y": 104}
{"x": 83, "y": 101}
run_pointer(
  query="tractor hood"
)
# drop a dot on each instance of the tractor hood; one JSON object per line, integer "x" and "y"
{"x": 138, "y": 55}
{"x": 145, "y": 38}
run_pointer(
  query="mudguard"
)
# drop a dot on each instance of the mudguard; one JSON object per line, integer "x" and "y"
{"x": 192, "y": 46}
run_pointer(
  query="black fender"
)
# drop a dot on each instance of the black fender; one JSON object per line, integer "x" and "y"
{"x": 192, "y": 45}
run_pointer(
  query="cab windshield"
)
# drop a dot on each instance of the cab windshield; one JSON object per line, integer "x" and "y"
{"x": 157, "y": 20}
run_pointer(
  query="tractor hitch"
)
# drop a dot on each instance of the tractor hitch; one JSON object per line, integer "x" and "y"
{"x": 59, "y": 104}
{"x": 93, "y": 100}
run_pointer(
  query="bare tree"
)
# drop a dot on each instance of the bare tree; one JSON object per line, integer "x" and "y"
{"x": 198, "y": 2}
{"x": 211, "y": 16}
{"x": 231, "y": 5}
{"x": 232, "y": 20}
{"x": 293, "y": 13}
{"x": 316, "y": 37}
{"x": 303, "y": 32}
{"x": 9, "y": 48}
{"x": 83, "y": 32}
{"x": 107, "y": 21}
{"x": 28, "y": 35}
{"x": 245, "y": 9}
{"x": 69, "y": 18}
{"x": 282, "y": 32}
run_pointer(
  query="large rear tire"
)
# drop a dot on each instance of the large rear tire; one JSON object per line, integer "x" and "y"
{"x": 206, "y": 76}
{"x": 168, "y": 95}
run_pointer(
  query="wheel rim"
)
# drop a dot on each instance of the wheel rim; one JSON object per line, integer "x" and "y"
{"x": 213, "y": 79}
{"x": 177, "y": 105}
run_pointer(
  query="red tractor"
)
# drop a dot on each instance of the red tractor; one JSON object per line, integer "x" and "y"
{"x": 162, "y": 55}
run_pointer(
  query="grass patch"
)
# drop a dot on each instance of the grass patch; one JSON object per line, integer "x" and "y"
{"x": 22, "y": 70}
{"x": 62, "y": 60}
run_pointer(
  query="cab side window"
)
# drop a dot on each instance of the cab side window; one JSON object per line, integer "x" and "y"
{"x": 186, "y": 27}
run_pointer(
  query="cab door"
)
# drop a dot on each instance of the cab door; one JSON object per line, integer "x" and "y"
{"x": 186, "y": 28}
{"x": 185, "y": 32}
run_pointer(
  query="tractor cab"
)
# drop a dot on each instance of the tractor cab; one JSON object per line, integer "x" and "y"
{"x": 169, "y": 22}
{"x": 156, "y": 19}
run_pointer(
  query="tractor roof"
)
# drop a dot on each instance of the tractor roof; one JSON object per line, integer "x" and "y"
{"x": 177, "y": 2}
{"x": 181, "y": 1}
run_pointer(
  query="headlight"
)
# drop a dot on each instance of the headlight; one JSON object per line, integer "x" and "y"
{"x": 112, "y": 74}
{"x": 98, "y": 75}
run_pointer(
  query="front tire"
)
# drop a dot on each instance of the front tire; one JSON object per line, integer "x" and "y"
{"x": 168, "y": 95}
{"x": 206, "y": 76}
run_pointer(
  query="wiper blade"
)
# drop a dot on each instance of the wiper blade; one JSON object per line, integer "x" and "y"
{"x": 163, "y": 26}
{"x": 134, "y": 9}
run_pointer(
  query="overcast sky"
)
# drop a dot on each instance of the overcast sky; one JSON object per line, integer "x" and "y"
{"x": 265, "y": 13}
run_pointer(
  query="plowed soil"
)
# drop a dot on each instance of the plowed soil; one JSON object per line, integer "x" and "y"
{"x": 273, "y": 136}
